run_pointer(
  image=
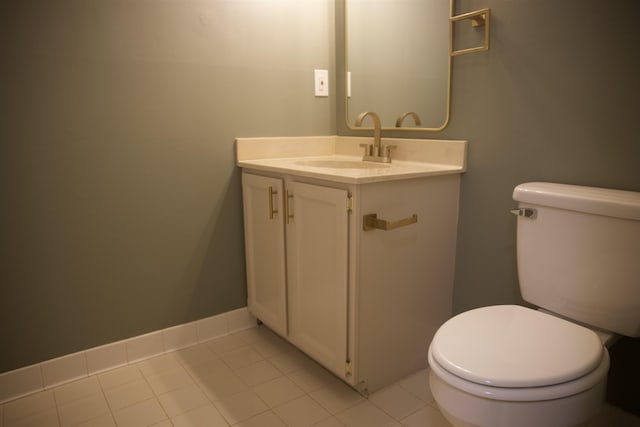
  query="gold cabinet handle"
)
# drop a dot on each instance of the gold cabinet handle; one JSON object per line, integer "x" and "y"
{"x": 371, "y": 222}
{"x": 272, "y": 193}
{"x": 287, "y": 211}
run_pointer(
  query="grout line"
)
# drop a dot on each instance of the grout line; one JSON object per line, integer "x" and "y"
{"x": 104, "y": 396}
{"x": 58, "y": 416}
{"x": 156, "y": 396}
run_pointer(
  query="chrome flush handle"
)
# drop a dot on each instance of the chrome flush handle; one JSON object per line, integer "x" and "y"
{"x": 525, "y": 212}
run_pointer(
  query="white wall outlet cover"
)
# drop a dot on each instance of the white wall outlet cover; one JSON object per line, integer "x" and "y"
{"x": 321, "y": 82}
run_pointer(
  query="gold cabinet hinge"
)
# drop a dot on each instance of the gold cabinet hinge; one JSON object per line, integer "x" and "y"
{"x": 349, "y": 202}
{"x": 348, "y": 368}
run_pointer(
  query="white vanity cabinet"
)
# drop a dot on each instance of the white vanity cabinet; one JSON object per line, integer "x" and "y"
{"x": 363, "y": 303}
{"x": 299, "y": 289}
{"x": 317, "y": 265}
{"x": 265, "y": 250}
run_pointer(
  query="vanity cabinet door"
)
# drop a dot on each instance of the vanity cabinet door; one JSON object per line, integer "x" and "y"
{"x": 265, "y": 250}
{"x": 317, "y": 244}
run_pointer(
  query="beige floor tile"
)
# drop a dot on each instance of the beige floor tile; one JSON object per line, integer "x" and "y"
{"x": 222, "y": 384}
{"x": 301, "y": 412}
{"x": 426, "y": 417}
{"x": 169, "y": 380}
{"x": 292, "y": 361}
{"x": 30, "y": 405}
{"x": 226, "y": 343}
{"x": 336, "y": 397}
{"x": 206, "y": 368}
{"x": 265, "y": 419}
{"x": 271, "y": 345}
{"x": 77, "y": 390}
{"x": 128, "y": 394}
{"x": 158, "y": 364}
{"x": 365, "y": 414}
{"x": 312, "y": 378}
{"x": 278, "y": 391}
{"x": 418, "y": 385}
{"x": 140, "y": 414}
{"x": 105, "y": 420}
{"x": 195, "y": 355}
{"x": 329, "y": 422}
{"x": 240, "y": 407}
{"x": 78, "y": 411}
{"x": 119, "y": 376}
{"x": 240, "y": 357}
{"x": 251, "y": 335}
{"x": 204, "y": 416}
{"x": 258, "y": 373}
{"x": 43, "y": 418}
{"x": 182, "y": 400}
{"x": 396, "y": 401}
{"x": 259, "y": 333}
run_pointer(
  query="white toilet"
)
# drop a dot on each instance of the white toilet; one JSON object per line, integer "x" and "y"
{"x": 579, "y": 261}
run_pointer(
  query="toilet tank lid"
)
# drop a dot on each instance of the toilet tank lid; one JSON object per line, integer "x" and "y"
{"x": 594, "y": 200}
{"x": 513, "y": 346}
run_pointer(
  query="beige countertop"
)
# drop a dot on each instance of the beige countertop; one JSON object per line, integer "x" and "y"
{"x": 338, "y": 159}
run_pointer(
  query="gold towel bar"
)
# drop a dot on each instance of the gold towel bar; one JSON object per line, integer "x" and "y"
{"x": 371, "y": 222}
{"x": 478, "y": 18}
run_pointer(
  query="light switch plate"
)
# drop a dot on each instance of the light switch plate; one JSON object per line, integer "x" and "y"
{"x": 321, "y": 82}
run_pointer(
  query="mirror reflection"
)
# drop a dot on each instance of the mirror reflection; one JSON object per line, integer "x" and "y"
{"x": 398, "y": 61}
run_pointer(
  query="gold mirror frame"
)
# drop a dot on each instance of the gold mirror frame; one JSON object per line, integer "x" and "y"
{"x": 346, "y": 81}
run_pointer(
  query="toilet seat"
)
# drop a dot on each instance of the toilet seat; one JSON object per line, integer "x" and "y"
{"x": 524, "y": 394}
{"x": 511, "y": 352}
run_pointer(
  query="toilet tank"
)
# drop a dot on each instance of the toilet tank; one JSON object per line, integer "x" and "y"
{"x": 579, "y": 253}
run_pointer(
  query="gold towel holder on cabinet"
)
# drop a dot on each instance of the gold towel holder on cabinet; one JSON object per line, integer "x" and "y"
{"x": 371, "y": 222}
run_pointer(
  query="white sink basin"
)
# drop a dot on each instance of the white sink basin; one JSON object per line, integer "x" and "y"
{"x": 342, "y": 164}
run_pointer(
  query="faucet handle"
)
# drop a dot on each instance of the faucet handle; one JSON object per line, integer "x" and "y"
{"x": 367, "y": 149}
{"x": 386, "y": 150}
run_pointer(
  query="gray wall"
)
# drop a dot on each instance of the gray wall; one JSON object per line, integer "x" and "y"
{"x": 555, "y": 99}
{"x": 120, "y": 202}
{"x": 121, "y": 206}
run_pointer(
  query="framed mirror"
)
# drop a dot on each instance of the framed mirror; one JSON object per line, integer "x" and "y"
{"x": 397, "y": 61}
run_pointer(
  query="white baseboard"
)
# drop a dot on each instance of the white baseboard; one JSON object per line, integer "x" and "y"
{"x": 51, "y": 373}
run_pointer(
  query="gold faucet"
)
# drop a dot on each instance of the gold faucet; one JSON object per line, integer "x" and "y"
{"x": 416, "y": 119}
{"x": 375, "y": 152}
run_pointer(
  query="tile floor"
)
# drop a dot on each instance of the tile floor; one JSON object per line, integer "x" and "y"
{"x": 247, "y": 379}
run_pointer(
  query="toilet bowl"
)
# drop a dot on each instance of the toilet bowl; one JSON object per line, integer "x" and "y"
{"x": 514, "y": 366}
{"x": 511, "y": 366}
